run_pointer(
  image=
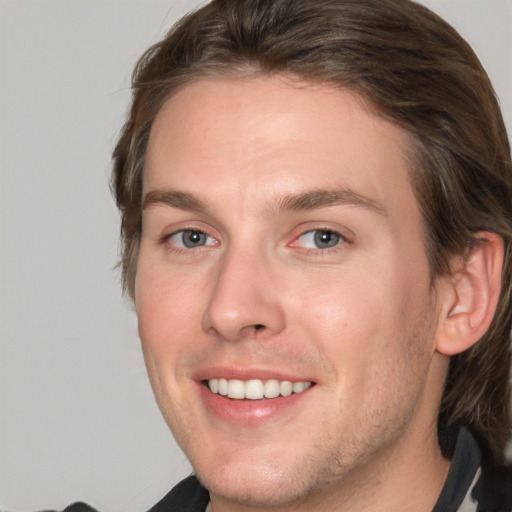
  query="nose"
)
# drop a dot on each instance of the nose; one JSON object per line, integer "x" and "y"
{"x": 245, "y": 298}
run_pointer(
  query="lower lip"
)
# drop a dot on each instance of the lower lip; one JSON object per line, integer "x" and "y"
{"x": 249, "y": 412}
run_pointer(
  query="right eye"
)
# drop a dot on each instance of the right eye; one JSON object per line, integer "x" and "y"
{"x": 190, "y": 239}
{"x": 320, "y": 239}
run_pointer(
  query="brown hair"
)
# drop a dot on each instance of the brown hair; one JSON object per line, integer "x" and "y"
{"x": 421, "y": 75}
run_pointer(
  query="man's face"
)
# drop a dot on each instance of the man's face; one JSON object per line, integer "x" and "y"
{"x": 282, "y": 245}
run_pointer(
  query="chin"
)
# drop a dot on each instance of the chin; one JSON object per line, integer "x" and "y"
{"x": 257, "y": 486}
{"x": 262, "y": 479}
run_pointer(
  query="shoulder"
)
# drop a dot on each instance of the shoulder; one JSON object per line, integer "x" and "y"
{"x": 476, "y": 481}
{"x": 76, "y": 507}
{"x": 79, "y": 507}
{"x": 493, "y": 490}
{"x": 188, "y": 496}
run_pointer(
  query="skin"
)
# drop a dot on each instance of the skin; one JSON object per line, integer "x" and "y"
{"x": 359, "y": 318}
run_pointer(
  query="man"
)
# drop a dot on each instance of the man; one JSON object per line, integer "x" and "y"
{"x": 316, "y": 203}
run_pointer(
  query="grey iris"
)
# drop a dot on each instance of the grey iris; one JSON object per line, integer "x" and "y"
{"x": 326, "y": 239}
{"x": 193, "y": 239}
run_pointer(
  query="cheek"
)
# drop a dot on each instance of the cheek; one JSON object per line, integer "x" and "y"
{"x": 165, "y": 300}
{"x": 369, "y": 316}
{"x": 169, "y": 316}
{"x": 378, "y": 340}
{"x": 338, "y": 305}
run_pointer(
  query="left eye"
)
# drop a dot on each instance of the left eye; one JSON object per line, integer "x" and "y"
{"x": 190, "y": 238}
{"x": 320, "y": 239}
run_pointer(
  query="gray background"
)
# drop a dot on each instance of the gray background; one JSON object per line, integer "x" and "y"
{"x": 77, "y": 417}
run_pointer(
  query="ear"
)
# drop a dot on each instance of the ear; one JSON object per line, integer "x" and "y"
{"x": 471, "y": 296}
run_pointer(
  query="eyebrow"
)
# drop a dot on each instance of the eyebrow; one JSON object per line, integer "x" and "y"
{"x": 304, "y": 201}
{"x": 321, "y": 198}
{"x": 174, "y": 199}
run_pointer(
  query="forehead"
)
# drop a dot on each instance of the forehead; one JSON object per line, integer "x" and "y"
{"x": 261, "y": 136}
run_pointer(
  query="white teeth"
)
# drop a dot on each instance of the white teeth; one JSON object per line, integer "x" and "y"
{"x": 256, "y": 389}
{"x": 236, "y": 389}
{"x": 223, "y": 387}
{"x": 272, "y": 388}
{"x": 214, "y": 385}
{"x": 298, "y": 387}
{"x": 286, "y": 388}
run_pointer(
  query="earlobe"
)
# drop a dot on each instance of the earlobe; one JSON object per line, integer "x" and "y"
{"x": 473, "y": 298}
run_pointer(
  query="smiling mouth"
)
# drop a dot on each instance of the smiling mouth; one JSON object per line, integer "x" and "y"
{"x": 255, "y": 389}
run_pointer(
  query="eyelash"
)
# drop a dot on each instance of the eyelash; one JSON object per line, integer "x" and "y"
{"x": 167, "y": 240}
{"x": 317, "y": 251}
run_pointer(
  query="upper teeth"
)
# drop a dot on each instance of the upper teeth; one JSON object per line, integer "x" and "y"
{"x": 256, "y": 389}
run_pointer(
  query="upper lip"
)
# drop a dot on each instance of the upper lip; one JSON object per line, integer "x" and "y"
{"x": 264, "y": 374}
